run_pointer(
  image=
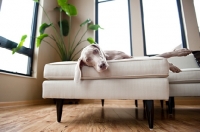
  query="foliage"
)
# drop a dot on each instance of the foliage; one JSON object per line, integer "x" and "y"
{"x": 69, "y": 53}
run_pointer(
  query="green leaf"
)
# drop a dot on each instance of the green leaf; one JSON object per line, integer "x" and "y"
{"x": 69, "y": 9}
{"x": 20, "y": 44}
{"x": 85, "y": 22}
{"x": 65, "y": 27}
{"x": 94, "y": 27}
{"x": 62, "y": 3}
{"x": 91, "y": 40}
{"x": 72, "y": 11}
{"x": 36, "y": 0}
{"x": 43, "y": 27}
{"x": 40, "y": 38}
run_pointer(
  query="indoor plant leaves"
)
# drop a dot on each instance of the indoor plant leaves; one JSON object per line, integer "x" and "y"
{"x": 65, "y": 27}
{"x": 94, "y": 27}
{"x": 40, "y": 38}
{"x": 85, "y": 22}
{"x": 20, "y": 44}
{"x": 91, "y": 40}
{"x": 69, "y": 9}
{"x": 43, "y": 27}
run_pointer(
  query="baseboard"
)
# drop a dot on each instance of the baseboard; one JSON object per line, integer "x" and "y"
{"x": 25, "y": 103}
{"x": 178, "y": 101}
{"x": 108, "y": 101}
{"x": 187, "y": 100}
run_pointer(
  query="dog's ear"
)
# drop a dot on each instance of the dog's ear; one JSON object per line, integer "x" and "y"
{"x": 102, "y": 52}
{"x": 77, "y": 74}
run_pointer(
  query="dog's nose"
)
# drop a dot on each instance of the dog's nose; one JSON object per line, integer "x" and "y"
{"x": 102, "y": 65}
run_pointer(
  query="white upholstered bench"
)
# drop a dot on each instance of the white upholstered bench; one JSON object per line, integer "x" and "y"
{"x": 142, "y": 78}
{"x": 185, "y": 83}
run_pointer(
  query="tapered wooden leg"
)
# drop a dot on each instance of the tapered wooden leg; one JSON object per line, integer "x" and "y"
{"x": 102, "y": 102}
{"x": 161, "y": 103}
{"x": 144, "y": 104}
{"x": 170, "y": 105}
{"x": 173, "y": 102}
{"x": 150, "y": 112}
{"x": 136, "y": 103}
{"x": 59, "y": 106}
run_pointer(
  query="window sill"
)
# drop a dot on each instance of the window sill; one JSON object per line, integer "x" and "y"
{"x": 16, "y": 75}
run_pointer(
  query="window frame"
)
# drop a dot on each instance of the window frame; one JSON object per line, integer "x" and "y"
{"x": 183, "y": 35}
{"x": 0, "y": 4}
{"x": 9, "y": 45}
{"x": 97, "y": 22}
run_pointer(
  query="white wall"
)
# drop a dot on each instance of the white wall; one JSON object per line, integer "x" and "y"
{"x": 21, "y": 88}
{"x": 191, "y": 27}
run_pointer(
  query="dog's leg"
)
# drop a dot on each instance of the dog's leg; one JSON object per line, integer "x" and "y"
{"x": 178, "y": 52}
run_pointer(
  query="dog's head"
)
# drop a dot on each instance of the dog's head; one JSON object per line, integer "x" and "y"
{"x": 91, "y": 56}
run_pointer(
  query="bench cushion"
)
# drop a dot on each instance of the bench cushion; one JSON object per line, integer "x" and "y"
{"x": 144, "y": 88}
{"x": 138, "y": 67}
{"x": 189, "y": 75}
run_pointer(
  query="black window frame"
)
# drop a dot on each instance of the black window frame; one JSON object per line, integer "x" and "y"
{"x": 183, "y": 35}
{"x": 8, "y": 44}
{"x": 0, "y": 4}
{"x": 96, "y": 20}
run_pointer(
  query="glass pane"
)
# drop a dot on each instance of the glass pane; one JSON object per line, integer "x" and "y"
{"x": 15, "y": 63}
{"x": 161, "y": 26}
{"x": 197, "y": 10}
{"x": 15, "y": 21}
{"x": 113, "y": 16}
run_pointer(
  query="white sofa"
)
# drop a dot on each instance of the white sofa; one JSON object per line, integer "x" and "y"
{"x": 185, "y": 83}
{"x": 138, "y": 78}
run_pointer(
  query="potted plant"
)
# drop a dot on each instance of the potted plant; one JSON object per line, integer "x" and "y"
{"x": 65, "y": 50}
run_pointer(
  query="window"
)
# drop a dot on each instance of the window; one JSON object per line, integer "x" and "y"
{"x": 114, "y": 17}
{"x": 17, "y": 21}
{"x": 197, "y": 10}
{"x": 162, "y": 26}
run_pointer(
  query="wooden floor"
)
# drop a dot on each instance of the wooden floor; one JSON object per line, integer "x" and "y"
{"x": 94, "y": 118}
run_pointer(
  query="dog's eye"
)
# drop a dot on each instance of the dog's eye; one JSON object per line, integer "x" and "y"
{"x": 95, "y": 51}
{"x": 88, "y": 59}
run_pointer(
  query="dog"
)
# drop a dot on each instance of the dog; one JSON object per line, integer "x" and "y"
{"x": 94, "y": 56}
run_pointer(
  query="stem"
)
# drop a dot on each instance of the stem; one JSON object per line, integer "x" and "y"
{"x": 79, "y": 50}
{"x": 61, "y": 32}
{"x": 76, "y": 36}
{"x": 62, "y": 52}
{"x": 53, "y": 48}
{"x": 59, "y": 46}
{"x": 77, "y": 53}
{"x": 69, "y": 49}
{"x": 79, "y": 42}
{"x": 61, "y": 41}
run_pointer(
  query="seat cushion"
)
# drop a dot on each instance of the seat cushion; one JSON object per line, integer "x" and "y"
{"x": 145, "y": 88}
{"x": 139, "y": 67}
{"x": 189, "y": 75}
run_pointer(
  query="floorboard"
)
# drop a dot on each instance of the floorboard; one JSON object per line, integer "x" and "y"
{"x": 95, "y": 118}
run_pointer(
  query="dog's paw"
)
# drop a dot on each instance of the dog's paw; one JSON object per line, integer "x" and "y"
{"x": 174, "y": 68}
{"x": 182, "y": 52}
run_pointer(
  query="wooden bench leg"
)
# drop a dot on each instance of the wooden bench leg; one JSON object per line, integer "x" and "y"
{"x": 172, "y": 101}
{"x": 150, "y": 112}
{"x": 161, "y": 103}
{"x": 59, "y": 107}
{"x": 136, "y": 103}
{"x": 170, "y": 104}
{"x": 102, "y": 102}
{"x": 144, "y": 104}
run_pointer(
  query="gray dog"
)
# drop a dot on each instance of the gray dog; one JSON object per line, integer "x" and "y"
{"x": 93, "y": 56}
